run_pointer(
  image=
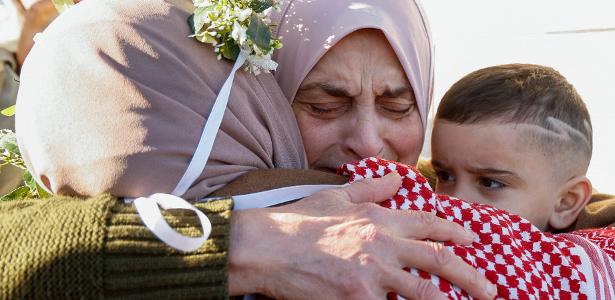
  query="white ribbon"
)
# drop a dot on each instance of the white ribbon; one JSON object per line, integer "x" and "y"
{"x": 148, "y": 210}
{"x": 277, "y": 196}
{"x": 147, "y": 207}
{"x": 203, "y": 150}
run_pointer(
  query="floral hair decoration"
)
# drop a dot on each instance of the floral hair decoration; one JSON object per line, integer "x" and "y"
{"x": 237, "y": 26}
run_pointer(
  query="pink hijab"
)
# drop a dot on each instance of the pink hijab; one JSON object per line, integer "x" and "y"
{"x": 115, "y": 101}
{"x": 308, "y": 28}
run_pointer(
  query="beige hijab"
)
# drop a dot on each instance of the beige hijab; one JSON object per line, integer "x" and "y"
{"x": 308, "y": 28}
{"x": 114, "y": 97}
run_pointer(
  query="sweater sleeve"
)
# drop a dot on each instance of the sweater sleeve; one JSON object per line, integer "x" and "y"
{"x": 98, "y": 248}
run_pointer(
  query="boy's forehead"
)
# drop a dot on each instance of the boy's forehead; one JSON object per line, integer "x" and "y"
{"x": 490, "y": 145}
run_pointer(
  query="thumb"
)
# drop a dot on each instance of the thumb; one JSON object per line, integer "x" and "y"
{"x": 373, "y": 190}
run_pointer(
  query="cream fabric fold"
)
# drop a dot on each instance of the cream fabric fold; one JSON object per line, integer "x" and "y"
{"x": 114, "y": 97}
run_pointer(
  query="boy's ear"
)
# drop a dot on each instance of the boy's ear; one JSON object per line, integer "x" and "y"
{"x": 574, "y": 196}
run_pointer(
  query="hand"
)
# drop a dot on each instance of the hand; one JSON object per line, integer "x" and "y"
{"x": 339, "y": 244}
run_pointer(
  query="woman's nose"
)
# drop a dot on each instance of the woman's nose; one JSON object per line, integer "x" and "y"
{"x": 365, "y": 138}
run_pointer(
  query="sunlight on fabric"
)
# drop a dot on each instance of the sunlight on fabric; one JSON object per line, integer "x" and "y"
{"x": 357, "y": 5}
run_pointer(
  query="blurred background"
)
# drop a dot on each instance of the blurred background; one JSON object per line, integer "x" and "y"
{"x": 576, "y": 38}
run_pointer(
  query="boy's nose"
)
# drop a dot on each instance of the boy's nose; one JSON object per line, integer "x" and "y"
{"x": 462, "y": 191}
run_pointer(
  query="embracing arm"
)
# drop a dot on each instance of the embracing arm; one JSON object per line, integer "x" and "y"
{"x": 338, "y": 244}
{"x": 97, "y": 248}
{"x": 335, "y": 244}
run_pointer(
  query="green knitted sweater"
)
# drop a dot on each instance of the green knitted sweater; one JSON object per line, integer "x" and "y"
{"x": 97, "y": 248}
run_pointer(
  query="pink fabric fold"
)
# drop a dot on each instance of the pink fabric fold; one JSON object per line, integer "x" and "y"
{"x": 308, "y": 28}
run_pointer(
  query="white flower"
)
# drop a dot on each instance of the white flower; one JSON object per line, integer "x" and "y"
{"x": 239, "y": 33}
{"x": 220, "y": 22}
{"x": 265, "y": 15}
{"x": 267, "y": 11}
{"x": 258, "y": 63}
{"x": 243, "y": 14}
{"x": 202, "y": 3}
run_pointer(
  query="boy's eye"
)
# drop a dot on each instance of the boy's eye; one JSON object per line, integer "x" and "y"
{"x": 490, "y": 183}
{"x": 444, "y": 176}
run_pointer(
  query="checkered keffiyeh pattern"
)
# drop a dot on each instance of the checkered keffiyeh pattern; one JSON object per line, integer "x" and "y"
{"x": 522, "y": 261}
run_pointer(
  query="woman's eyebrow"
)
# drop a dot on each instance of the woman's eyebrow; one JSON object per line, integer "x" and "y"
{"x": 398, "y": 91}
{"x": 329, "y": 88}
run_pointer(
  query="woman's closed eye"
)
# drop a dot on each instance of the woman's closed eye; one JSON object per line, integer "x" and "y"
{"x": 396, "y": 108}
{"x": 328, "y": 109}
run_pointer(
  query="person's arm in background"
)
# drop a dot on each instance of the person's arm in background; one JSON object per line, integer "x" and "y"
{"x": 37, "y": 15}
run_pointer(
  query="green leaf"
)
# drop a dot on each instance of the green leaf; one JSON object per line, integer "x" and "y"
{"x": 230, "y": 51}
{"x": 42, "y": 193}
{"x": 9, "y": 111}
{"x": 198, "y": 17}
{"x": 9, "y": 142}
{"x": 276, "y": 44}
{"x": 29, "y": 181}
{"x": 205, "y": 37}
{"x": 258, "y": 32}
{"x": 191, "y": 24}
{"x": 261, "y": 5}
{"x": 19, "y": 193}
{"x": 62, "y": 5}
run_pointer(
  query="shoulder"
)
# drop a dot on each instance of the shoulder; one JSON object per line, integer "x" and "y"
{"x": 262, "y": 180}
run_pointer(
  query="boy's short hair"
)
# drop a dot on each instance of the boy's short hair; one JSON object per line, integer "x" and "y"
{"x": 523, "y": 94}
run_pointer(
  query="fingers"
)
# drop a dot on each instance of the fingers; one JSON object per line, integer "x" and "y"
{"x": 410, "y": 286}
{"x": 421, "y": 225}
{"x": 415, "y": 224}
{"x": 373, "y": 190}
{"x": 436, "y": 259}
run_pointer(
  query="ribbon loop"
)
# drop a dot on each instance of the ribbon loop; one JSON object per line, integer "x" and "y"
{"x": 150, "y": 214}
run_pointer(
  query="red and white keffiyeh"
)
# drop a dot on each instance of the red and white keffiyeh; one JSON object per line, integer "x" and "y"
{"x": 522, "y": 261}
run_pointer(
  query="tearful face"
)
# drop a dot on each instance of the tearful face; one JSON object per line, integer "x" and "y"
{"x": 357, "y": 102}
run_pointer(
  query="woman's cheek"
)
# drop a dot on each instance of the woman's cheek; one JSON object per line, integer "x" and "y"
{"x": 406, "y": 138}
{"x": 315, "y": 133}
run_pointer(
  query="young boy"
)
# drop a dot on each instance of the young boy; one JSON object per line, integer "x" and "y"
{"x": 517, "y": 137}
